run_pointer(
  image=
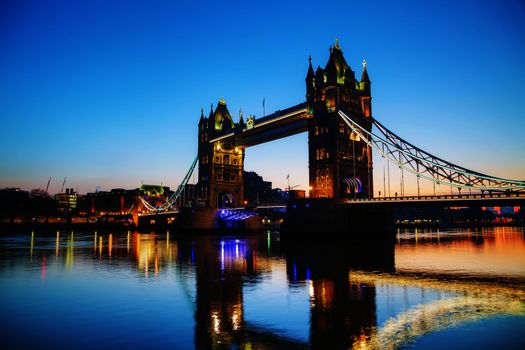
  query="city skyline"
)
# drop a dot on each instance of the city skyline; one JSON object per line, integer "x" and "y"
{"x": 110, "y": 95}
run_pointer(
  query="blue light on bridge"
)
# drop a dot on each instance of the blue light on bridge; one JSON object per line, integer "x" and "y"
{"x": 232, "y": 251}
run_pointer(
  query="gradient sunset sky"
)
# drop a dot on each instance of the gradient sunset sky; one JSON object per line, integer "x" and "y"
{"x": 108, "y": 93}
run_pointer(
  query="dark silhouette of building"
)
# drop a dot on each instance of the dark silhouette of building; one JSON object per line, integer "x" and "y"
{"x": 67, "y": 201}
{"x": 340, "y": 164}
{"x": 256, "y": 190}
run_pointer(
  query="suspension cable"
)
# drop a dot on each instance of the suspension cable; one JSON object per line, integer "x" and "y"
{"x": 438, "y": 170}
{"x": 171, "y": 202}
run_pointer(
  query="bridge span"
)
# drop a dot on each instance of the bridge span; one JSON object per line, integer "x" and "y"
{"x": 342, "y": 134}
{"x": 452, "y": 200}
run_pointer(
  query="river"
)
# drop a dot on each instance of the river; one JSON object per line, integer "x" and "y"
{"x": 427, "y": 289}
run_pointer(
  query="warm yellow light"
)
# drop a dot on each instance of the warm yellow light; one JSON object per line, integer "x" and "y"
{"x": 218, "y": 147}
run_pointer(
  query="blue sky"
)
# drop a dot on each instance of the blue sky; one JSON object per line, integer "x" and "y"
{"x": 108, "y": 93}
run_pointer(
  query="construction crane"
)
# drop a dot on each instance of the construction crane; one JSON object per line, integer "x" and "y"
{"x": 48, "y": 181}
{"x": 289, "y": 188}
{"x": 63, "y": 184}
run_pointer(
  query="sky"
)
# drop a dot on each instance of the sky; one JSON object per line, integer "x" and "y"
{"x": 109, "y": 93}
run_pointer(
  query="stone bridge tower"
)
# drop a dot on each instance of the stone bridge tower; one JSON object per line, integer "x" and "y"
{"x": 221, "y": 165}
{"x": 340, "y": 164}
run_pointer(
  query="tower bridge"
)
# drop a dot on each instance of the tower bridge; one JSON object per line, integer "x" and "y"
{"x": 340, "y": 164}
{"x": 342, "y": 134}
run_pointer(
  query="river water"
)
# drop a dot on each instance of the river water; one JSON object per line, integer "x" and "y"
{"x": 453, "y": 289}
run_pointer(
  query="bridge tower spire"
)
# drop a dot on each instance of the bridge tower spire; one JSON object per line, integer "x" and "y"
{"x": 340, "y": 164}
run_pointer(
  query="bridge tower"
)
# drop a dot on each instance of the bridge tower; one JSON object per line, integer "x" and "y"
{"x": 221, "y": 165}
{"x": 340, "y": 164}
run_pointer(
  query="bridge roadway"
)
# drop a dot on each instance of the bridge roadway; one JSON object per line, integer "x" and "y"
{"x": 457, "y": 200}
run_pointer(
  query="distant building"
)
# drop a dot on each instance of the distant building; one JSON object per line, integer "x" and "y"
{"x": 118, "y": 201}
{"x": 256, "y": 190}
{"x": 66, "y": 202}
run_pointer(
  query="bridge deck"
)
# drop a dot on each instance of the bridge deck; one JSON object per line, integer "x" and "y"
{"x": 499, "y": 199}
{"x": 277, "y": 125}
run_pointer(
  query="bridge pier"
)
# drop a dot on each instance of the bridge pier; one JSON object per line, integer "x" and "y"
{"x": 208, "y": 219}
{"x": 313, "y": 217}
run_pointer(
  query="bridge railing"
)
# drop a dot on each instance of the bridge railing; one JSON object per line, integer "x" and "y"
{"x": 440, "y": 197}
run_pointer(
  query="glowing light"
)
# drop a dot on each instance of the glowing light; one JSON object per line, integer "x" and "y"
{"x": 236, "y": 317}
{"x": 216, "y": 322}
{"x": 32, "y": 242}
{"x": 57, "y": 243}
{"x": 222, "y": 256}
{"x": 110, "y": 244}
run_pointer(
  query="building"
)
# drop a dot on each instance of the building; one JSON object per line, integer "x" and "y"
{"x": 118, "y": 201}
{"x": 220, "y": 165}
{"x": 340, "y": 164}
{"x": 256, "y": 190}
{"x": 66, "y": 202}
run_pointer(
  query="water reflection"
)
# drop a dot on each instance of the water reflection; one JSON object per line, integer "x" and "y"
{"x": 335, "y": 295}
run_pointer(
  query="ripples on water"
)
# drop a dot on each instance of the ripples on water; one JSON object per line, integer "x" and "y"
{"x": 104, "y": 290}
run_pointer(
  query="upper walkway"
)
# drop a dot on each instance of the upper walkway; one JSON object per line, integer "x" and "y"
{"x": 287, "y": 122}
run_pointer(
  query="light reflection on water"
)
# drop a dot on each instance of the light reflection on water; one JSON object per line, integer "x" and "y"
{"x": 97, "y": 289}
